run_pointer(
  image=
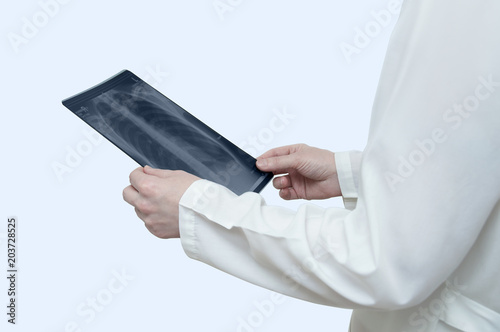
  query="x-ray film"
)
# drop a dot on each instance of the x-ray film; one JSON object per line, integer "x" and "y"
{"x": 155, "y": 131}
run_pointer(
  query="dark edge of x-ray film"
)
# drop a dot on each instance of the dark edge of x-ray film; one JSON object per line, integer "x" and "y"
{"x": 155, "y": 131}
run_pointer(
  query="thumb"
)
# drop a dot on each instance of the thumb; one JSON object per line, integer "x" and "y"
{"x": 162, "y": 173}
{"x": 280, "y": 164}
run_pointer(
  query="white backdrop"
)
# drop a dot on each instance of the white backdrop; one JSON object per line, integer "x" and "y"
{"x": 85, "y": 261}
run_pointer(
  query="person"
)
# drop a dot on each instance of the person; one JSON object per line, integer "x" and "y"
{"x": 416, "y": 247}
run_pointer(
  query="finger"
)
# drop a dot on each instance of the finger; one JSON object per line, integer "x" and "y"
{"x": 137, "y": 176}
{"x": 288, "y": 194}
{"x": 282, "y": 182}
{"x": 162, "y": 173}
{"x": 279, "y": 164}
{"x": 130, "y": 195}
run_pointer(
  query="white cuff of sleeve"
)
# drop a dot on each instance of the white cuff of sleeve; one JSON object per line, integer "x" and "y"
{"x": 187, "y": 218}
{"x": 347, "y": 164}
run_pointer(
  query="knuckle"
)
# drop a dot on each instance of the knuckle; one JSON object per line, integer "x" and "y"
{"x": 145, "y": 207}
{"x": 147, "y": 188}
{"x": 133, "y": 174}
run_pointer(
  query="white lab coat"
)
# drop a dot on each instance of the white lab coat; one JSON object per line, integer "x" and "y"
{"x": 417, "y": 247}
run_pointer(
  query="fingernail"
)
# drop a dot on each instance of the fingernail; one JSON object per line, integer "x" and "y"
{"x": 261, "y": 162}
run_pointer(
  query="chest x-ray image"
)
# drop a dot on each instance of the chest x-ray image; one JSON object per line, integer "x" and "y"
{"x": 155, "y": 131}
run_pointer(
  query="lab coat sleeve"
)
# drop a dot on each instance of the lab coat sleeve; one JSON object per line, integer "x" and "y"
{"x": 348, "y": 164}
{"x": 428, "y": 179}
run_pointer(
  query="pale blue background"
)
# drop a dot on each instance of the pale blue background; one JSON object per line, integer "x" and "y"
{"x": 230, "y": 73}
